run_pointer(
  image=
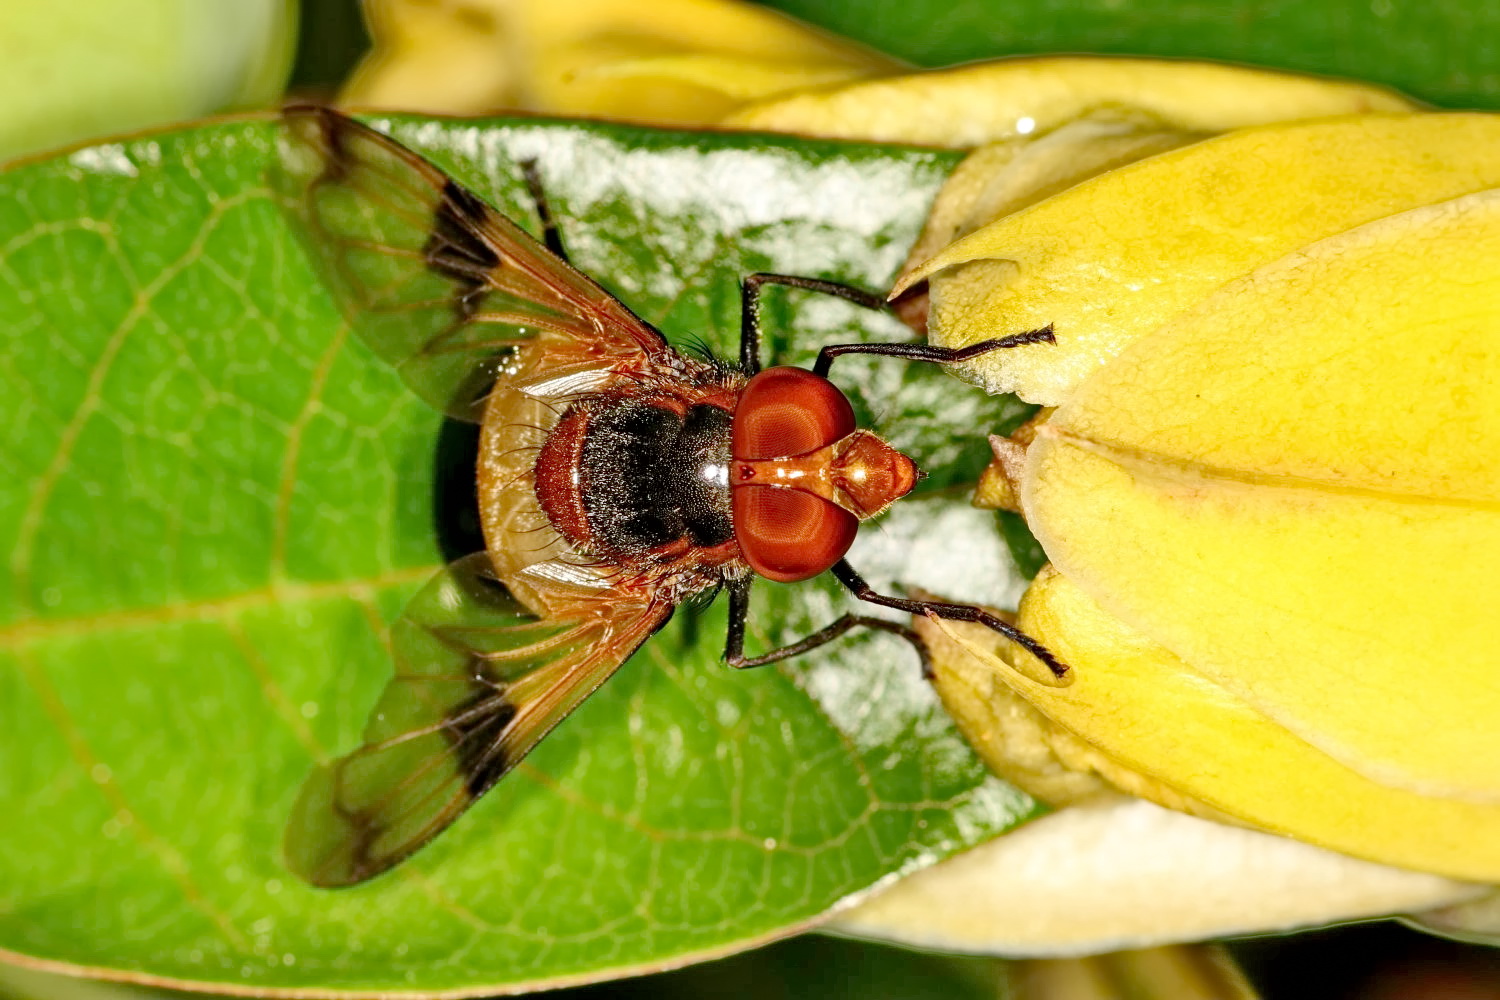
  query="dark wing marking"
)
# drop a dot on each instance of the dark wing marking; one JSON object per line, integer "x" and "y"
{"x": 436, "y": 282}
{"x": 480, "y": 678}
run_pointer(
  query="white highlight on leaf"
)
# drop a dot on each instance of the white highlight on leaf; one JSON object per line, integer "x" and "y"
{"x": 106, "y": 159}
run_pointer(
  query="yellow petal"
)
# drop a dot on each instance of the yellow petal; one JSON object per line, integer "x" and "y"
{"x": 1151, "y": 712}
{"x": 429, "y": 57}
{"x": 1275, "y": 522}
{"x": 1108, "y": 872}
{"x": 971, "y": 105}
{"x": 1014, "y": 739}
{"x": 735, "y": 77}
{"x": 1121, "y": 873}
{"x": 1120, "y": 254}
{"x": 1305, "y": 468}
{"x": 1005, "y": 176}
{"x": 673, "y": 61}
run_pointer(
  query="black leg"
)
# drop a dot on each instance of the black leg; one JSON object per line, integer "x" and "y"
{"x": 750, "y": 307}
{"x": 550, "y": 235}
{"x": 739, "y": 607}
{"x": 927, "y": 352}
{"x": 952, "y": 612}
{"x": 750, "y": 325}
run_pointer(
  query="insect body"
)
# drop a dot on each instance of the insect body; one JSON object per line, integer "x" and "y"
{"x": 617, "y": 477}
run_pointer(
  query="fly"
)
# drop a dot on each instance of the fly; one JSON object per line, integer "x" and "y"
{"x": 617, "y": 478}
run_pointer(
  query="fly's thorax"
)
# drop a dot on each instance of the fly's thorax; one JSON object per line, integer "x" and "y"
{"x": 640, "y": 475}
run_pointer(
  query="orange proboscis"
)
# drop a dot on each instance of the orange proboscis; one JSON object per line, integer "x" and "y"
{"x": 859, "y": 472}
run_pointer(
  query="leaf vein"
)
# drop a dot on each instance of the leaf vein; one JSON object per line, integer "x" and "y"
{"x": 166, "y": 854}
{"x": 31, "y": 518}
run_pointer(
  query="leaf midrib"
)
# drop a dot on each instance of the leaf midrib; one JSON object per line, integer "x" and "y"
{"x": 279, "y": 593}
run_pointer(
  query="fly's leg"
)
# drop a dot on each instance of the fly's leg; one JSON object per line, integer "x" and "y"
{"x": 739, "y": 607}
{"x": 929, "y": 352}
{"x": 550, "y": 234}
{"x": 750, "y": 307}
{"x": 951, "y": 612}
{"x": 750, "y": 327}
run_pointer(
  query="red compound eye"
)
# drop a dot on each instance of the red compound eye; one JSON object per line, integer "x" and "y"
{"x": 788, "y": 411}
{"x": 789, "y": 535}
{"x": 786, "y": 534}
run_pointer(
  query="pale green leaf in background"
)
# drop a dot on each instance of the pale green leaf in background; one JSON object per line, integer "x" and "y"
{"x": 86, "y": 68}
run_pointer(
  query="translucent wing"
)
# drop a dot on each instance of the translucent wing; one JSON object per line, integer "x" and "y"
{"x": 435, "y": 281}
{"x": 480, "y": 678}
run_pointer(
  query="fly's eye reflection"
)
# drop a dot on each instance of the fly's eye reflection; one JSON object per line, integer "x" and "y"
{"x": 617, "y": 478}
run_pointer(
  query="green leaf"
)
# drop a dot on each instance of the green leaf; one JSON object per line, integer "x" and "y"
{"x": 214, "y": 499}
{"x": 1444, "y": 52}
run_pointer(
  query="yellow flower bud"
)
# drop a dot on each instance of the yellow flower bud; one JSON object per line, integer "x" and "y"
{"x": 666, "y": 62}
{"x": 1269, "y": 491}
{"x": 966, "y": 106}
{"x": 735, "y": 64}
{"x": 1114, "y": 257}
